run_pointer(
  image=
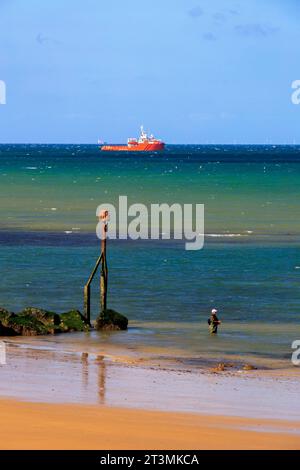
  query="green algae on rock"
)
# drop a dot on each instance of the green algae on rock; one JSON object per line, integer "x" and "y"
{"x": 5, "y": 326}
{"x": 34, "y": 321}
{"x": 50, "y": 320}
{"x": 73, "y": 321}
{"x": 111, "y": 320}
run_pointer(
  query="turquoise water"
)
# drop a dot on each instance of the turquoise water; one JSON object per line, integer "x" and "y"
{"x": 243, "y": 188}
{"x": 251, "y": 272}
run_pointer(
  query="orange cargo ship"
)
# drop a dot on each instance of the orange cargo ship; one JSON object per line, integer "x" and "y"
{"x": 145, "y": 143}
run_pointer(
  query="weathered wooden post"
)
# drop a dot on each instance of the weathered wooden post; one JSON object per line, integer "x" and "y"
{"x": 104, "y": 218}
{"x": 87, "y": 302}
{"x": 87, "y": 292}
{"x": 107, "y": 319}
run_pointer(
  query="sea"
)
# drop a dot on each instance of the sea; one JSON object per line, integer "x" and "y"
{"x": 249, "y": 267}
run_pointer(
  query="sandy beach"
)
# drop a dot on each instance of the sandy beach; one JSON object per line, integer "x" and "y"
{"x": 78, "y": 400}
{"x": 46, "y": 426}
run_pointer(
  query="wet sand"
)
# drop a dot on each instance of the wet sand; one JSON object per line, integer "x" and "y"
{"x": 79, "y": 400}
{"x": 43, "y": 374}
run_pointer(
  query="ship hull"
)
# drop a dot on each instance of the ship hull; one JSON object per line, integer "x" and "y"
{"x": 141, "y": 147}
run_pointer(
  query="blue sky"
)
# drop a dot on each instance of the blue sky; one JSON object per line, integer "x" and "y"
{"x": 192, "y": 71}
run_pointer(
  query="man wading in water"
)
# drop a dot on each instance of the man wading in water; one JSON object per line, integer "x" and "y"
{"x": 213, "y": 322}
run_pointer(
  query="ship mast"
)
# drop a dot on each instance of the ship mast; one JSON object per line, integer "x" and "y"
{"x": 144, "y": 135}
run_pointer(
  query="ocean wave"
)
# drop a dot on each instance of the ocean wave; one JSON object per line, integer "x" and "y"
{"x": 221, "y": 235}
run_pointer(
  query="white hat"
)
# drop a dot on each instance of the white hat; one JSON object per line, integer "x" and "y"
{"x": 214, "y": 310}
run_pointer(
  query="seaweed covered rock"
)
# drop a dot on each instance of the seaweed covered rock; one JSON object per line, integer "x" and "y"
{"x": 73, "y": 321}
{"x": 21, "y": 324}
{"x": 5, "y": 327}
{"x": 34, "y": 321}
{"x": 27, "y": 325}
{"x": 111, "y": 320}
{"x": 50, "y": 320}
{"x": 5, "y": 315}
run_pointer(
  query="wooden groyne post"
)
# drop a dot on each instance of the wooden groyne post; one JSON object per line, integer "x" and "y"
{"x": 104, "y": 218}
{"x": 87, "y": 292}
